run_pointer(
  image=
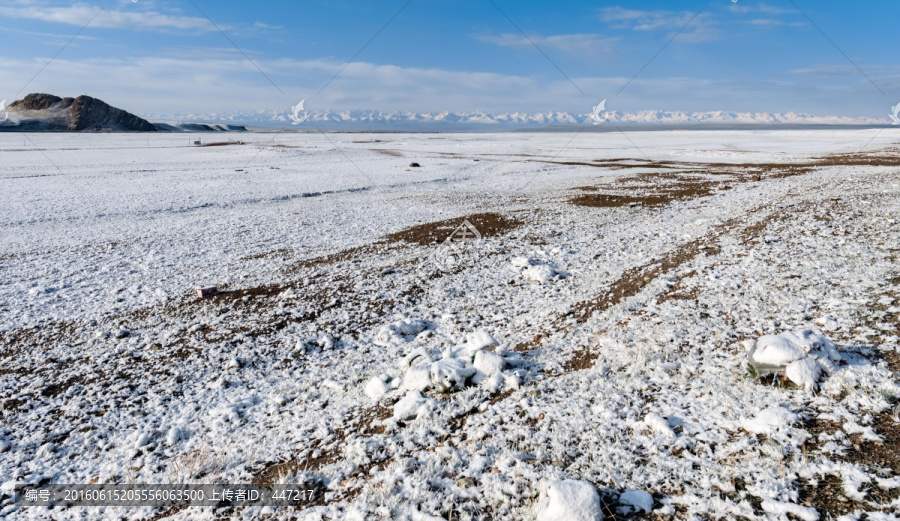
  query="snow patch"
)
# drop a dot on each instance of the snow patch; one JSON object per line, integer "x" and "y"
{"x": 770, "y": 420}
{"x": 779, "y": 508}
{"x": 568, "y": 500}
{"x": 410, "y": 406}
{"x": 636, "y": 501}
{"x": 399, "y": 332}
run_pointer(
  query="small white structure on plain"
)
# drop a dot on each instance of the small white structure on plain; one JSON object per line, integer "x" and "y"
{"x": 568, "y": 500}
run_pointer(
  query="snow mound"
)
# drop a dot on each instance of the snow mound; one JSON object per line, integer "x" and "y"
{"x": 658, "y": 425}
{"x": 805, "y": 373}
{"x": 568, "y": 500}
{"x": 784, "y": 348}
{"x": 411, "y": 406}
{"x": 399, "y": 332}
{"x": 417, "y": 378}
{"x": 380, "y": 385}
{"x": 636, "y": 501}
{"x": 486, "y": 364}
{"x": 479, "y": 340}
{"x": 450, "y": 373}
{"x": 417, "y": 356}
{"x": 540, "y": 273}
{"x": 520, "y": 262}
{"x": 454, "y": 368}
{"x": 802, "y": 355}
{"x": 770, "y": 420}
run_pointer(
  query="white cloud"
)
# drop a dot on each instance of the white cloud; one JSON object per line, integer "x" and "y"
{"x": 580, "y": 44}
{"x": 766, "y": 22}
{"x": 758, "y": 8}
{"x": 131, "y": 17}
{"x": 222, "y": 81}
{"x": 694, "y": 27}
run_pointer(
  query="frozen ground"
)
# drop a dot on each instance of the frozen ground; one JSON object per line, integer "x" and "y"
{"x": 605, "y": 315}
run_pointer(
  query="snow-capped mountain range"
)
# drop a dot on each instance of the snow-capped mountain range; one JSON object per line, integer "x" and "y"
{"x": 372, "y": 119}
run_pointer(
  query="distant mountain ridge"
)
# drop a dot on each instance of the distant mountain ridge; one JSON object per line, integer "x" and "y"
{"x": 363, "y": 119}
{"x": 48, "y": 113}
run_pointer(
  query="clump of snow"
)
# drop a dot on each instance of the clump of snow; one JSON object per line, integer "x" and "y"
{"x": 535, "y": 270}
{"x": 659, "y": 425}
{"x": 417, "y": 356}
{"x": 380, "y": 385}
{"x": 410, "y": 406}
{"x": 479, "y": 340}
{"x": 475, "y": 362}
{"x": 787, "y": 347}
{"x": 636, "y": 501}
{"x": 521, "y": 262}
{"x": 770, "y": 420}
{"x": 450, "y": 373}
{"x": 568, "y": 500}
{"x": 540, "y": 273}
{"x": 802, "y": 355}
{"x": 804, "y": 372}
{"x": 417, "y": 378}
{"x": 779, "y": 508}
{"x": 401, "y": 331}
{"x": 486, "y": 364}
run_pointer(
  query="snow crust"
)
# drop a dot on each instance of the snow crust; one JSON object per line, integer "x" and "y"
{"x": 639, "y": 501}
{"x": 626, "y": 368}
{"x": 568, "y": 500}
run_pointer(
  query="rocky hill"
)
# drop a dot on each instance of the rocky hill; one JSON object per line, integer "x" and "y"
{"x": 48, "y": 113}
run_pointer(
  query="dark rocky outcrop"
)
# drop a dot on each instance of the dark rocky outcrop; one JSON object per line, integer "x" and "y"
{"x": 84, "y": 113}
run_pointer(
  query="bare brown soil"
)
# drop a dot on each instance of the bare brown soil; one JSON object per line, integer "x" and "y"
{"x": 580, "y": 360}
{"x": 635, "y": 279}
{"x": 221, "y": 144}
{"x": 327, "y": 260}
{"x": 388, "y": 152}
{"x": 488, "y": 225}
{"x": 366, "y": 418}
{"x": 679, "y": 291}
{"x": 662, "y": 189}
{"x": 281, "y": 252}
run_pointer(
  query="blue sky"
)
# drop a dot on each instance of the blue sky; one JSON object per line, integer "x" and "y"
{"x": 167, "y": 57}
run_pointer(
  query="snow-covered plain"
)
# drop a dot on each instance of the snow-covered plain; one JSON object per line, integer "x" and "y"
{"x": 604, "y": 344}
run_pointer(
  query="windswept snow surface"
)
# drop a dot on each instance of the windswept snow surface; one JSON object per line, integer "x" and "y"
{"x": 601, "y": 344}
